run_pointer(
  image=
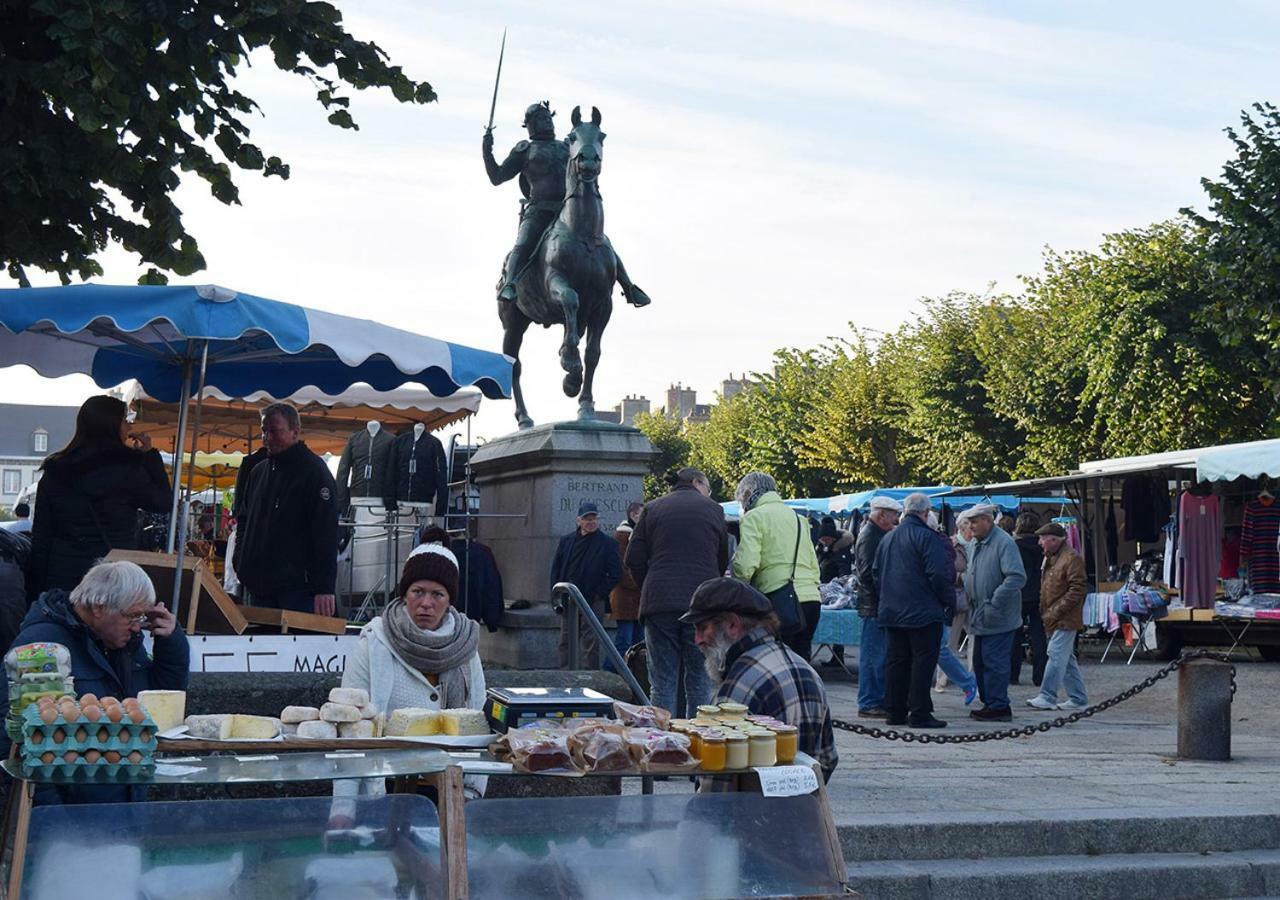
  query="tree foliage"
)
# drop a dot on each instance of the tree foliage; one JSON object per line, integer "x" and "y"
{"x": 104, "y": 103}
{"x": 666, "y": 433}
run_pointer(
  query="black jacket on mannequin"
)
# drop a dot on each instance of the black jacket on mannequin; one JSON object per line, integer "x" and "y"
{"x": 417, "y": 472}
{"x": 363, "y": 466}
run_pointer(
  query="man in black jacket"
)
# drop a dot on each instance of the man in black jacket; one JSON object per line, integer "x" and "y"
{"x": 680, "y": 541}
{"x": 1032, "y": 631}
{"x": 873, "y": 644}
{"x": 589, "y": 560}
{"x": 287, "y": 537}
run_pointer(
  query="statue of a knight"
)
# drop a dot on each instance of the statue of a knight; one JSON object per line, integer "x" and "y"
{"x": 540, "y": 162}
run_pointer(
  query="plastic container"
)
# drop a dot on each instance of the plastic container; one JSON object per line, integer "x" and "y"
{"x": 101, "y": 736}
{"x": 762, "y": 748}
{"x": 737, "y": 753}
{"x": 788, "y": 743}
{"x": 714, "y": 752}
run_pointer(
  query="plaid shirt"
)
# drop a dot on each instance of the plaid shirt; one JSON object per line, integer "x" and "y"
{"x": 771, "y": 680}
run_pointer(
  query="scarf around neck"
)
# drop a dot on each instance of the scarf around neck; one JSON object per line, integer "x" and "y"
{"x": 431, "y": 653}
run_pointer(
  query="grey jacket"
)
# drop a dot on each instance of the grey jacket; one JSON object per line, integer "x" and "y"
{"x": 994, "y": 583}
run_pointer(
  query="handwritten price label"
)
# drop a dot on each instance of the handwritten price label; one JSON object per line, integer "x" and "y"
{"x": 787, "y": 781}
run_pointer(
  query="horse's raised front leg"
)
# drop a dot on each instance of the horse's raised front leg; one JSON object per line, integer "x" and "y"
{"x": 635, "y": 296}
{"x": 514, "y": 326}
{"x": 570, "y": 360}
{"x": 594, "y": 334}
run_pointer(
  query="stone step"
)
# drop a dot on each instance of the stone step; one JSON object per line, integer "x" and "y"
{"x": 989, "y": 835}
{"x": 1131, "y": 876}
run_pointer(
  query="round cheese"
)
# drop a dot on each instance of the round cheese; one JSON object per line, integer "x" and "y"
{"x": 349, "y": 696}
{"x": 292, "y": 715}
{"x": 316, "y": 729}
{"x": 340, "y": 712}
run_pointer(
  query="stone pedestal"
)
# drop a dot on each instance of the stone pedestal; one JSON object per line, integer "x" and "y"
{"x": 542, "y": 475}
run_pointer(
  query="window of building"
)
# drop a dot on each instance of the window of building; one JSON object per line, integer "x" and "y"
{"x": 12, "y": 481}
{"x": 40, "y": 441}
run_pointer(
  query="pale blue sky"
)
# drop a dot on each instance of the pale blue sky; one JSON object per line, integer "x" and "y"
{"x": 773, "y": 169}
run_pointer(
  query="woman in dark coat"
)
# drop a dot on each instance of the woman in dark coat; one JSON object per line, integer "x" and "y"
{"x": 88, "y": 498}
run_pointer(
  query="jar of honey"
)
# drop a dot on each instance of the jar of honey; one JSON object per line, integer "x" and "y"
{"x": 762, "y": 748}
{"x": 737, "y": 752}
{"x": 708, "y": 711}
{"x": 733, "y": 710}
{"x": 695, "y": 742}
{"x": 788, "y": 737}
{"x": 714, "y": 755}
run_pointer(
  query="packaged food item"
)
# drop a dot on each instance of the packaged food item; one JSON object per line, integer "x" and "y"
{"x": 36, "y": 658}
{"x": 713, "y": 751}
{"x": 356, "y": 697}
{"x": 544, "y": 751}
{"x": 762, "y": 748}
{"x": 788, "y": 743}
{"x": 463, "y": 722}
{"x": 659, "y": 751}
{"x": 641, "y": 716}
{"x": 292, "y": 715}
{"x": 600, "y": 748}
{"x": 737, "y": 752}
{"x": 166, "y": 708}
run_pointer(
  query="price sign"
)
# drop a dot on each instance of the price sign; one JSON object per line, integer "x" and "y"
{"x": 786, "y": 781}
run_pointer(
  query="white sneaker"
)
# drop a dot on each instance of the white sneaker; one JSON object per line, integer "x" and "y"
{"x": 1038, "y": 702}
{"x": 1070, "y": 705}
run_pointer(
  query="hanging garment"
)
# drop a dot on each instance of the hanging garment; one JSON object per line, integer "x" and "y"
{"x": 1199, "y": 534}
{"x": 1113, "y": 537}
{"x": 1170, "y": 556}
{"x": 1258, "y": 544}
{"x": 479, "y": 583}
{"x": 1073, "y": 538}
{"x": 416, "y": 472}
{"x": 1230, "y": 565}
{"x": 362, "y": 469}
{"x": 1146, "y": 505}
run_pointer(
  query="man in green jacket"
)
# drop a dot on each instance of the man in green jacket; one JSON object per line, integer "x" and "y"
{"x": 774, "y": 548}
{"x": 993, "y": 580}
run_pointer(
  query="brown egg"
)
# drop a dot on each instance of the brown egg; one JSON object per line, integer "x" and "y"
{"x": 108, "y": 701}
{"x": 81, "y": 735}
{"x": 48, "y": 714}
{"x": 59, "y": 735}
{"x": 44, "y": 701}
{"x": 70, "y": 756}
{"x": 69, "y": 711}
{"x": 114, "y": 713}
{"x": 47, "y": 757}
{"x": 92, "y": 713}
{"x": 144, "y": 735}
{"x": 111, "y": 756}
{"x": 92, "y": 756}
{"x": 103, "y": 735}
{"x": 88, "y": 699}
{"x": 123, "y": 735}
{"x": 136, "y": 716}
{"x": 37, "y": 736}
{"x": 130, "y": 703}
{"x": 66, "y": 698}
{"x": 135, "y": 757}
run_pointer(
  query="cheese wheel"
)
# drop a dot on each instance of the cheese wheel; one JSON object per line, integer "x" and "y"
{"x": 292, "y": 715}
{"x": 290, "y": 727}
{"x": 463, "y": 722}
{"x": 317, "y": 729}
{"x": 349, "y": 696}
{"x": 340, "y": 712}
{"x": 209, "y": 728}
{"x": 254, "y": 727}
{"x": 413, "y": 722}
{"x": 361, "y": 729}
{"x": 166, "y": 708}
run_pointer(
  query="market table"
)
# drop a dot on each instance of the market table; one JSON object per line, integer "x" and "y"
{"x": 267, "y": 763}
{"x": 837, "y": 627}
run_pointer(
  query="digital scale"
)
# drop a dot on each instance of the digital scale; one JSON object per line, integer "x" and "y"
{"x": 514, "y": 706}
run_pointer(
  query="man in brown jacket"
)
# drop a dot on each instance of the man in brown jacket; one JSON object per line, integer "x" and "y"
{"x": 624, "y": 601}
{"x": 1062, "y": 590}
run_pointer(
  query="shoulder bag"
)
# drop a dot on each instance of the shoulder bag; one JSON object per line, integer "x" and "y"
{"x": 786, "y": 603}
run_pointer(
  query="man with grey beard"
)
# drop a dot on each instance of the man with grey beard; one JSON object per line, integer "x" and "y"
{"x": 737, "y": 632}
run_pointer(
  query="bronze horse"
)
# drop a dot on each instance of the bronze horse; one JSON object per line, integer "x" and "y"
{"x": 569, "y": 279}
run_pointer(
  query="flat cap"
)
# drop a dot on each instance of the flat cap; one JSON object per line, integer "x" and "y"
{"x": 979, "y": 509}
{"x": 1053, "y": 529}
{"x": 725, "y": 595}
{"x": 886, "y": 503}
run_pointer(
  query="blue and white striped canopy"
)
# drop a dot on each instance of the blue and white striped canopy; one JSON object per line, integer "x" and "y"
{"x": 113, "y": 333}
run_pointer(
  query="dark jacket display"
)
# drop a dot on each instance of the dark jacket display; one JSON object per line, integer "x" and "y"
{"x": 915, "y": 576}
{"x": 362, "y": 468}
{"x": 1032, "y": 557}
{"x": 107, "y": 673}
{"x": 835, "y": 561}
{"x": 479, "y": 583}
{"x": 864, "y": 558}
{"x": 680, "y": 541}
{"x": 288, "y": 536}
{"x": 416, "y": 472}
{"x": 589, "y": 561}
{"x": 86, "y": 506}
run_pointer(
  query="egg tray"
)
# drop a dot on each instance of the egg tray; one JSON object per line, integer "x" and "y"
{"x": 31, "y": 751}
{"x": 99, "y": 771}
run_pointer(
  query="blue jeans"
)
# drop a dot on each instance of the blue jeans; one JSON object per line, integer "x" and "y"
{"x": 1062, "y": 670}
{"x": 625, "y": 636}
{"x": 991, "y": 663}
{"x": 953, "y": 667}
{"x": 672, "y": 653}
{"x": 873, "y": 647}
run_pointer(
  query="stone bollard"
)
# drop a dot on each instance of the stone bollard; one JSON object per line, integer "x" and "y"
{"x": 1204, "y": 710}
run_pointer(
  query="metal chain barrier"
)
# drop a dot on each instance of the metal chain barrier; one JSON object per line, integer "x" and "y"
{"x": 924, "y": 737}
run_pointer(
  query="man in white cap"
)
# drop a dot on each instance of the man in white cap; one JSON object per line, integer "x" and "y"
{"x": 873, "y": 644}
{"x": 993, "y": 581}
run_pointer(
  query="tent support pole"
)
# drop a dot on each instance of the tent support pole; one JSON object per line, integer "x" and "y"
{"x": 178, "y": 446}
{"x": 181, "y": 525}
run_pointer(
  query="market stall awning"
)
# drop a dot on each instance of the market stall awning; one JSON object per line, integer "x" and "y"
{"x": 212, "y": 470}
{"x": 847, "y": 503}
{"x": 1231, "y": 461}
{"x": 327, "y": 421}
